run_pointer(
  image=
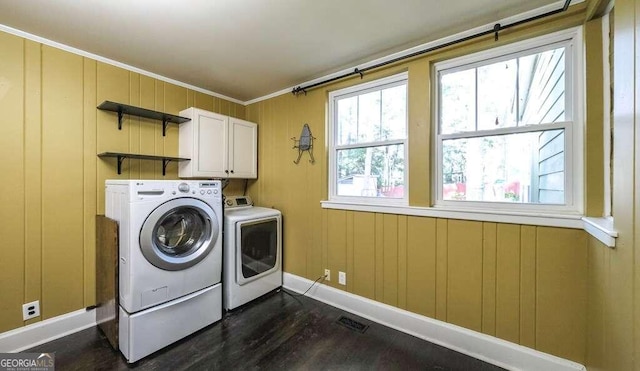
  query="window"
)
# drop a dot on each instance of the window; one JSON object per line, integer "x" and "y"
{"x": 368, "y": 142}
{"x": 509, "y": 127}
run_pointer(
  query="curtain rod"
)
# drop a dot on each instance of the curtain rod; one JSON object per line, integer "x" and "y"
{"x": 496, "y": 28}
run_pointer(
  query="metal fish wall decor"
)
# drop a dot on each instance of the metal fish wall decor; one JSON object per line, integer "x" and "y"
{"x": 305, "y": 143}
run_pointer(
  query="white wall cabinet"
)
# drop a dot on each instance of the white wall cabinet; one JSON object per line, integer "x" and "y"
{"x": 243, "y": 149}
{"x": 219, "y": 146}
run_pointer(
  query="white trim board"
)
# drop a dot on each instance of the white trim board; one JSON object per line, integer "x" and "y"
{"x": 80, "y": 52}
{"x": 430, "y": 44}
{"x": 602, "y": 229}
{"x": 402, "y": 53}
{"x": 45, "y": 331}
{"x": 484, "y": 347}
{"x": 477, "y": 214}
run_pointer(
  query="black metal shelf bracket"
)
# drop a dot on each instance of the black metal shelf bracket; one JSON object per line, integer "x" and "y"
{"x": 120, "y": 159}
{"x": 120, "y": 116}
{"x": 165, "y": 162}
{"x": 165, "y": 122}
{"x": 124, "y": 109}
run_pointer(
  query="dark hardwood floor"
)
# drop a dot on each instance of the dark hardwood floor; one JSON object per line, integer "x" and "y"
{"x": 276, "y": 332}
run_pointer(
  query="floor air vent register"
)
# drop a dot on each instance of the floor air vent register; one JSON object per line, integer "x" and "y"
{"x": 352, "y": 324}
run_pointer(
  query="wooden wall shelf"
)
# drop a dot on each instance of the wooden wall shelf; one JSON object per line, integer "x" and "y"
{"x": 121, "y": 156}
{"x": 123, "y": 109}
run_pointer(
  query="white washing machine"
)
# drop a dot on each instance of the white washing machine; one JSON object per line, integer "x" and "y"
{"x": 252, "y": 251}
{"x": 170, "y": 264}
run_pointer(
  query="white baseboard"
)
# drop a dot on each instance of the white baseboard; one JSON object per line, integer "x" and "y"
{"x": 484, "y": 347}
{"x": 42, "y": 332}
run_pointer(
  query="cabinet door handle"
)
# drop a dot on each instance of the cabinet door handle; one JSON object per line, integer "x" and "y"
{"x": 231, "y": 171}
{"x": 226, "y": 171}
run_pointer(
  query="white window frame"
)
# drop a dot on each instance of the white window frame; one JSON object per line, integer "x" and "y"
{"x": 359, "y": 89}
{"x": 606, "y": 109}
{"x": 574, "y": 129}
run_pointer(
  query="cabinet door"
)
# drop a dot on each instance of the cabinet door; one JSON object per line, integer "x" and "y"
{"x": 243, "y": 149}
{"x": 211, "y": 151}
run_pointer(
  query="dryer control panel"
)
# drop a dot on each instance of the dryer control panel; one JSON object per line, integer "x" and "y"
{"x": 237, "y": 201}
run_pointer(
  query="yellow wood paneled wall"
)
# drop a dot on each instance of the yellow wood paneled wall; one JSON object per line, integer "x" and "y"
{"x": 52, "y": 182}
{"x": 612, "y": 319}
{"x": 614, "y": 274}
{"x": 521, "y": 283}
{"x": 524, "y": 284}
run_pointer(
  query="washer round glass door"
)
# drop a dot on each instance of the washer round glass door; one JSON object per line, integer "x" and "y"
{"x": 179, "y": 233}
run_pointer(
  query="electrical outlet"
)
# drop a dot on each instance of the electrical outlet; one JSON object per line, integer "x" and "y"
{"x": 327, "y": 275}
{"x": 31, "y": 310}
{"x": 342, "y": 278}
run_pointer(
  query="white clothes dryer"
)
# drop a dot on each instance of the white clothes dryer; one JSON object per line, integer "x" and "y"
{"x": 170, "y": 260}
{"x": 252, "y": 251}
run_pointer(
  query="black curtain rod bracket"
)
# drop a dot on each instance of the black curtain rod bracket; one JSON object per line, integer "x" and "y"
{"x": 297, "y": 91}
{"x": 496, "y": 28}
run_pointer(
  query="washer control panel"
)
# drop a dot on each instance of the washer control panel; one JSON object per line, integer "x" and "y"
{"x": 148, "y": 189}
{"x": 210, "y": 189}
{"x": 183, "y": 187}
{"x": 237, "y": 201}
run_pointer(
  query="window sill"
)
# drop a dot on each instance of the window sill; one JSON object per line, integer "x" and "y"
{"x": 600, "y": 228}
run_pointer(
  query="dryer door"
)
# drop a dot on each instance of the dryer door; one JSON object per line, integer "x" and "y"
{"x": 258, "y": 248}
{"x": 179, "y": 233}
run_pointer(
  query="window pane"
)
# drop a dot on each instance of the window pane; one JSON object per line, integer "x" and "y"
{"x": 368, "y": 117}
{"x": 394, "y": 113}
{"x": 347, "y": 120}
{"x": 542, "y": 87}
{"x": 373, "y": 117}
{"x": 523, "y": 168}
{"x": 497, "y": 95}
{"x": 527, "y": 90}
{"x": 458, "y": 102}
{"x": 371, "y": 172}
